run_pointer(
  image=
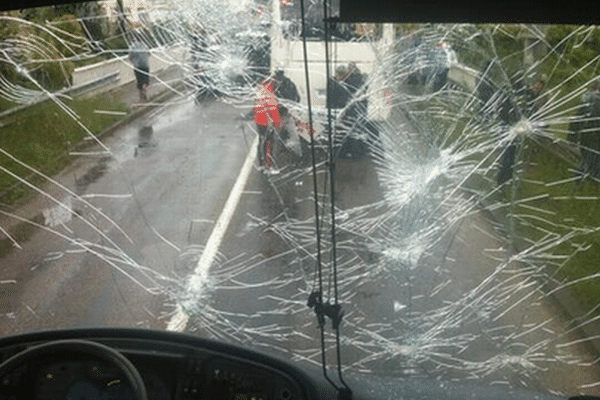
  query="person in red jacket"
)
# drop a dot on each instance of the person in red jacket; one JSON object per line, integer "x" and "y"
{"x": 270, "y": 113}
{"x": 266, "y": 115}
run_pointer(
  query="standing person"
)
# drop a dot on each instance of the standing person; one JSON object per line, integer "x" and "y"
{"x": 199, "y": 49}
{"x": 199, "y": 46}
{"x": 139, "y": 55}
{"x": 266, "y": 115}
{"x": 338, "y": 95}
{"x": 284, "y": 87}
{"x": 346, "y": 91}
{"x": 585, "y": 131}
{"x": 355, "y": 81}
{"x": 259, "y": 56}
{"x": 508, "y": 115}
{"x": 271, "y": 116}
{"x": 495, "y": 100}
{"x": 533, "y": 95}
{"x": 354, "y": 78}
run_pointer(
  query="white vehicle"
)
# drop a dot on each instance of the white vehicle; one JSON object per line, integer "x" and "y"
{"x": 361, "y": 44}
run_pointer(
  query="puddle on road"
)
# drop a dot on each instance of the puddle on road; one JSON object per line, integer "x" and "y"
{"x": 146, "y": 143}
{"x": 19, "y": 234}
{"x": 92, "y": 175}
{"x": 59, "y": 214}
{"x": 63, "y": 212}
{"x": 7, "y": 291}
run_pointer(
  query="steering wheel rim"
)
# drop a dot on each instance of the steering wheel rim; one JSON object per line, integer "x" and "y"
{"x": 101, "y": 351}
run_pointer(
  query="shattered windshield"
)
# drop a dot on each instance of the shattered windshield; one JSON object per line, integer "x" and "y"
{"x": 170, "y": 165}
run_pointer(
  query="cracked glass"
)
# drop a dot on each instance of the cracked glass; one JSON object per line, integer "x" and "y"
{"x": 457, "y": 197}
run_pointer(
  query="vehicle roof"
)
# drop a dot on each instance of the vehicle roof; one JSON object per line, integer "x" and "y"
{"x": 462, "y": 11}
{"x": 503, "y": 11}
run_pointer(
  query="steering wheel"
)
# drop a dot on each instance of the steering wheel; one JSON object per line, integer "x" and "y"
{"x": 98, "y": 350}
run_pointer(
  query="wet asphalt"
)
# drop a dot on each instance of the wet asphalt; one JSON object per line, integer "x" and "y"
{"x": 117, "y": 249}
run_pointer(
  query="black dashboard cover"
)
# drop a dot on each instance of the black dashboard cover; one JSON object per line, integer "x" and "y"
{"x": 310, "y": 380}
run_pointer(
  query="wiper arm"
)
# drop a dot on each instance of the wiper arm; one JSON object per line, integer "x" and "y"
{"x": 333, "y": 311}
{"x": 315, "y": 300}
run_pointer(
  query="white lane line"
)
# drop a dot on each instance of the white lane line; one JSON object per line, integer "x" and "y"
{"x": 106, "y": 112}
{"x": 179, "y": 321}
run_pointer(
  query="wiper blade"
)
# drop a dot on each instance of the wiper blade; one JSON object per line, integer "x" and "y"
{"x": 315, "y": 301}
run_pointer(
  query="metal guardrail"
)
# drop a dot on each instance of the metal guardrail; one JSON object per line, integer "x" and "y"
{"x": 158, "y": 64}
{"x": 96, "y": 83}
{"x": 463, "y": 76}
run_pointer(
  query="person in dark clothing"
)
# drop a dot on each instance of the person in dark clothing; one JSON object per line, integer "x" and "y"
{"x": 533, "y": 100}
{"x": 509, "y": 115}
{"x": 139, "y": 56}
{"x": 259, "y": 57}
{"x": 199, "y": 47}
{"x": 585, "y": 131}
{"x": 338, "y": 94}
{"x": 355, "y": 81}
{"x": 495, "y": 100}
{"x": 346, "y": 91}
{"x": 284, "y": 87}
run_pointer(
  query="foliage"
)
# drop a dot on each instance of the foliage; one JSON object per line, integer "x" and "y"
{"x": 572, "y": 49}
{"x": 43, "y": 45}
{"x": 564, "y": 206}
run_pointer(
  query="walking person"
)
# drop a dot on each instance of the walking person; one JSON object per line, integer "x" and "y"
{"x": 139, "y": 55}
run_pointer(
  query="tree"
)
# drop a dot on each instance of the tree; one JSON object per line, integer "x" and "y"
{"x": 94, "y": 22}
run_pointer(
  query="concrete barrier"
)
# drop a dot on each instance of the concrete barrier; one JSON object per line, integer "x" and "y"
{"x": 463, "y": 76}
{"x": 160, "y": 58}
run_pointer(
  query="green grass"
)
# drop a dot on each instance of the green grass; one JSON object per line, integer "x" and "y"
{"x": 563, "y": 209}
{"x": 6, "y": 105}
{"x": 566, "y": 207}
{"x": 40, "y": 136}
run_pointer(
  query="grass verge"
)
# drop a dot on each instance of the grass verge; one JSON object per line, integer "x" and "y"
{"x": 551, "y": 205}
{"x": 41, "y": 137}
{"x": 568, "y": 207}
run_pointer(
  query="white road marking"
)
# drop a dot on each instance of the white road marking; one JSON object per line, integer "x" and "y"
{"x": 109, "y": 112}
{"x": 179, "y": 321}
{"x": 110, "y": 196}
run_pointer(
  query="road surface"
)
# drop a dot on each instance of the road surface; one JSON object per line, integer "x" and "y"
{"x": 116, "y": 243}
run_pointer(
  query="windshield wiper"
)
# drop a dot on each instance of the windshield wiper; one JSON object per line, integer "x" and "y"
{"x": 315, "y": 300}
